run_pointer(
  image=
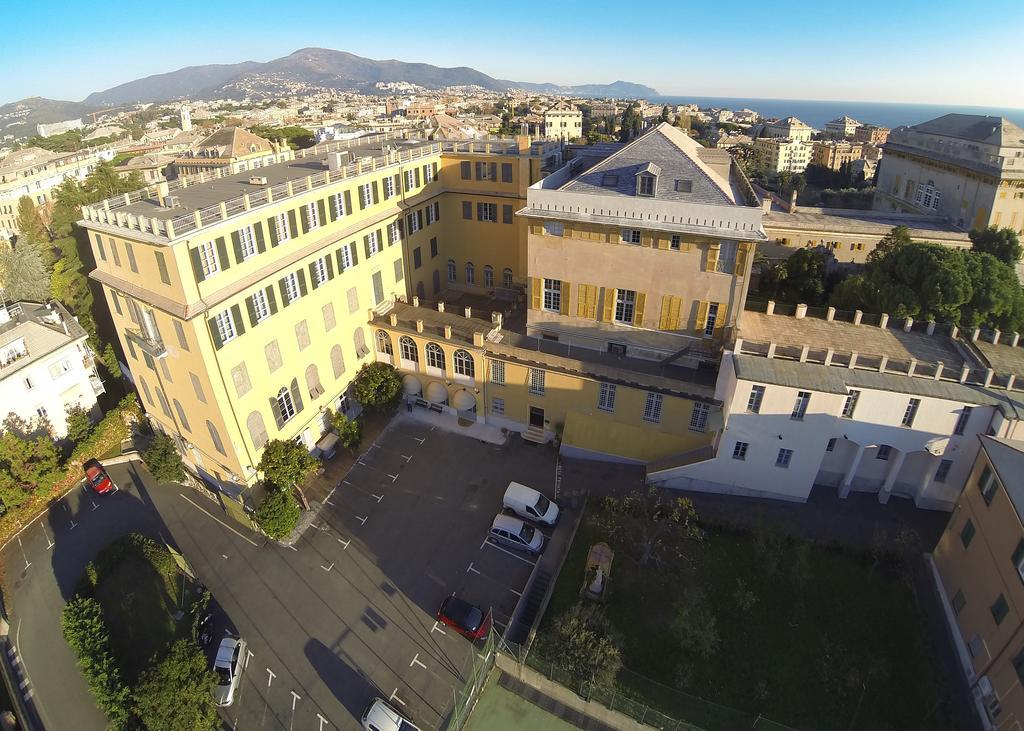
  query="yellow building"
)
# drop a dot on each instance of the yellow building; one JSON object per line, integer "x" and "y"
{"x": 832, "y": 155}
{"x": 563, "y": 121}
{"x": 231, "y": 147}
{"x": 980, "y": 562}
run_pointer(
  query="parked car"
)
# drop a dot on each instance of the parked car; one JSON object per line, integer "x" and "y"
{"x": 514, "y": 533}
{"x": 529, "y": 504}
{"x": 98, "y": 478}
{"x": 228, "y": 666}
{"x": 380, "y": 716}
{"x": 465, "y": 618}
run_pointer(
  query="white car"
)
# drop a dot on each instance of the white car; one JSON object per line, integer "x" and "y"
{"x": 529, "y": 504}
{"x": 228, "y": 667}
{"x": 514, "y": 533}
{"x": 380, "y": 716}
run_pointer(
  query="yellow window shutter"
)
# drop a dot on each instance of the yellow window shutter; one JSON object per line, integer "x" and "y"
{"x": 536, "y": 289}
{"x": 741, "y": 261}
{"x": 535, "y": 228}
{"x": 581, "y": 301}
{"x": 722, "y": 318}
{"x": 712, "y": 264}
{"x": 638, "y": 311}
{"x": 609, "y": 304}
{"x": 662, "y": 242}
{"x": 647, "y": 240}
{"x": 666, "y": 306}
{"x": 592, "y": 301}
{"x": 564, "y": 299}
{"x": 702, "y": 316}
{"x": 673, "y": 315}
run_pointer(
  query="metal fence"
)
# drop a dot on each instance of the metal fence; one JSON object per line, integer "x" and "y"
{"x": 480, "y": 665}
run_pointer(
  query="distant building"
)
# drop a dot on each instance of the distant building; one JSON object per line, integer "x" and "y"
{"x": 45, "y": 365}
{"x": 832, "y": 155}
{"x": 423, "y": 109}
{"x": 871, "y": 133}
{"x": 966, "y": 167}
{"x": 603, "y": 109}
{"x": 724, "y": 140}
{"x": 185, "y": 116}
{"x": 150, "y": 167}
{"x": 745, "y": 116}
{"x": 865, "y": 167}
{"x": 842, "y": 127}
{"x": 783, "y": 154}
{"x": 57, "y": 128}
{"x": 563, "y": 121}
{"x": 229, "y": 147}
{"x": 445, "y": 127}
{"x": 790, "y": 128}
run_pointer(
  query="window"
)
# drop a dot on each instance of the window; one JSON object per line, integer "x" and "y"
{"x": 414, "y": 221}
{"x": 130, "y": 251}
{"x": 800, "y": 406}
{"x": 609, "y": 180}
{"x": 337, "y": 361}
{"x": 645, "y": 185}
{"x": 987, "y": 485}
{"x": 1017, "y": 558}
{"x": 435, "y": 356}
{"x": 958, "y": 602}
{"x": 625, "y": 304}
{"x": 339, "y": 204}
{"x": 285, "y": 405}
{"x": 498, "y": 406}
{"x": 431, "y": 213}
{"x": 537, "y": 381}
{"x": 246, "y": 242}
{"x": 506, "y": 278}
{"x": 784, "y": 457}
{"x": 281, "y": 227}
{"x": 59, "y": 368}
{"x": 29, "y": 385}
{"x": 999, "y": 609}
{"x": 373, "y": 245}
{"x": 410, "y": 179}
{"x": 365, "y": 195}
{"x": 260, "y": 307}
{"x": 389, "y": 187}
{"x": 433, "y": 247}
{"x": 676, "y": 242}
{"x": 554, "y": 228}
{"x": 451, "y": 270}
{"x": 943, "y": 471}
{"x": 463, "y": 363}
{"x": 428, "y": 173}
{"x": 225, "y": 326}
{"x": 312, "y": 216}
{"x": 884, "y": 452}
{"x": 831, "y": 446}
{"x": 754, "y": 399}
{"x": 41, "y": 412}
{"x": 161, "y": 265}
{"x": 407, "y": 346}
{"x": 488, "y": 276}
{"x": 684, "y": 186}
{"x": 709, "y": 326}
{"x": 181, "y": 414}
{"x": 606, "y": 398}
{"x": 498, "y": 372}
{"x": 726, "y": 257}
{"x": 99, "y": 247}
{"x": 739, "y": 450}
{"x": 467, "y": 210}
{"x": 962, "y": 419}
{"x": 630, "y": 236}
{"x": 208, "y": 261}
{"x": 470, "y": 273}
{"x": 911, "y": 412}
{"x": 850, "y": 404}
{"x": 967, "y": 533}
{"x": 394, "y": 233}
{"x": 553, "y": 295}
{"x": 699, "y": 417}
{"x": 319, "y": 271}
{"x": 466, "y": 169}
{"x": 345, "y": 257}
{"x": 487, "y": 212}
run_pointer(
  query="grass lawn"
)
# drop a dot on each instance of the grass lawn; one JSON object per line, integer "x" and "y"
{"x": 836, "y": 645}
{"x": 498, "y": 709}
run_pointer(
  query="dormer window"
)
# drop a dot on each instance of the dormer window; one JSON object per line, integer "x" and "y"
{"x": 684, "y": 186}
{"x": 645, "y": 185}
{"x": 610, "y": 180}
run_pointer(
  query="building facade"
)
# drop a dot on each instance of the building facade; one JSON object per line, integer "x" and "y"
{"x": 789, "y": 128}
{"x": 871, "y": 134}
{"x": 563, "y": 121}
{"x": 842, "y": 127}
{"x": 784, "y": 154}
{"x": 833, "y": 155}
{"x": 232, "y": 147}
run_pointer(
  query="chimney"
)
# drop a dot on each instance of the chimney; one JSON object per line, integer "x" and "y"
{"x": 440, "y": 306}
{"x": 447, "y": 332}
{"x": 393, "y": 318}
{"x": 469, "y": 312}
{"x": 419, "y": 326}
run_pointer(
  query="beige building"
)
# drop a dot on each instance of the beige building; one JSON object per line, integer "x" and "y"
{"x": 789, "y": 128}
{"x": 966, "y": 167}
{"x": 563, "y": 121}
{"x": 980, "y": 567}
{"x": 842, "y": 127}
{"x": 783, "y": 154}
{"x": 150, "y": 167}
{"x": 832, "y": 155}
{"x": 871, "y": 134}
{"x": 231, "y": 147}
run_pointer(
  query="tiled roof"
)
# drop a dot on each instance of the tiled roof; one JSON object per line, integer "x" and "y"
{"x": 1007, "y": 458}
{"x": 235, "y": 141}
{"x": 976, "y": 127}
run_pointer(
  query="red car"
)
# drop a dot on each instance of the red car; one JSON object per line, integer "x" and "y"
{"x": 98, "y": 478}
{"x": 466, "y": 619}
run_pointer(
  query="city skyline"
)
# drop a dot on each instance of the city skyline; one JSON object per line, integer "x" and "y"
{"x": 93, "y": 54}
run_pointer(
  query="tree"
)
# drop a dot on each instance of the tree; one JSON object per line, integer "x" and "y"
{"x": 631, "y": 123}
{"x": 349, "y": 431}
{"x": 650, "y": 522}
{"x": 696, "y": 626}
{"x": 27, "y": 463}
{"x": 30, "y": 223}
{"x": 585, "y": 644}
{"x": 1002, "y": 243}
{"x": 80, "y": 425}
{"x": 285, "y": 463}
{"x": 23, "y": 272}
{"x": 174, "y": 695}
{"x": 278, "y": 513}
{"x": 85, "y": 631}
{"x": 801, "y": 277}
{"x": 163, "y": 460}
{"x": 377, "y": 385}
{"x": 664, "y": 114}
{"x": 297, "y": 137}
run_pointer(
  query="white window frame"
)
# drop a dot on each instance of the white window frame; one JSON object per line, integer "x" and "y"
{"x": 339, "y": 204}
{"x": 209, "y": 261}
{"x": 366, "y": 195}
{"x": 312, "y": 216}
{"x": 373, "y": 242}
{"x": 435, "y": 356}
{"x": 709, "y": 324}
{"x": 739, "y": 450}
{"x": 452, "y": 270}
{"x": 247, "y": 242}
{"x": 428, "y": 173}
{"x": 631, "y": 236}
{"x": 260, "y": 306}
{"x": 281, "y": 227}
{"x": 498, "y": 372}
{"x": 463, "y": 364}
{"x": 225, "y": 326}
{"x": 727, "y": 257}
{"x": 910, "y": 413}
{"x": 606, "y": 397}
{"x": 537, "y": 381}
{"x": 939, "y": 475}
{"x": 414, "y": 223}
{"x": 850, "y": 405}
{"x": 346, "y": 257}
{"x": 699, "y": 417}
{"x": 407, "y": 349}
{"x": 552, "y": 298}
{"x": 394, "y": 232}
{"x": 291, "y": 287}
{"x": 430, "y": 214}
{"x": 490, "y": 211}
{"x": 410, "y": 179}
{"x": 320, "y": 271}
{"x": 755, "y": 398}
{"x": 625, "y": 301}
{"x": 652, "y": 407}
{"x": 784, "y": 458}
{"x": 488, "y": 276}
{"x": 389, "y": 186}
{"x": 285, "y": 405}
{"x": 803, "y": 400}
{"x": 961, "y": 420}
{"x": 676, "y": 242}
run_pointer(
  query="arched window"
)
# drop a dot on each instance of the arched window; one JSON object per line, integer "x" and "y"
{"x": 285, "y": 405}
{"x": 181, "y": 415}
{"x": 488, "y": 276}
{"x": 215, "y": 437}
{"x": 146, "y": 392}
{"x": 384, "y": 343}
{"x": 337, "y": 361}
{"x": 463, "y": 363}
{"x": 435, "y": 356}
{"x": 313, "y": 381}
{"x": 506, "y": 278}
{"x": 257, "y": 429}
{"x": 164, "y": 406}
{"x": 470, "y": 273}
{"x": 408, "y": 347}
{"x": 451, "y": 270}
{"x": 359, "y": 340}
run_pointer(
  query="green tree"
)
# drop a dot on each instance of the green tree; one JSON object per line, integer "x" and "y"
{"x": 696, "y": 627}
{"x": 86, "y": 633}
{"x": 349, "y": 431}
{"x": 1002, "y": 243}
{"x": 27, "y": 463}
{"x": 801, "y": 277}
{"x": 278, "y": 513}
{"x": 377, "y": 385}
{"x": 664, "y": 114}
{"x": 163, "y": 460}
{"x": 285, "y": 464}
{"x": 80, "y": 426}
{"x": 174, "y": 695}
{"x": 652, "y": 524}
{"x": 996, "y": 296}
{"x": 23, "y": 272}
{"x": 298, "y": 138}
{"x": 585, "y": 644}
{"x": 30, "y": 223}
{"x": 629, "y": 129}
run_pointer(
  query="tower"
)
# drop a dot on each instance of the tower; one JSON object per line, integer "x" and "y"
{"x": 186, "y": 118}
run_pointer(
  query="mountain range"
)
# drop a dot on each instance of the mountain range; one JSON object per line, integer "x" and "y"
{"x": 308, "y": 69}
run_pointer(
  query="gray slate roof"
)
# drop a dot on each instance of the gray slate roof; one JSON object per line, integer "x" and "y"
{"x": 1007, "y": 458}
{"x": 976, "y": 127}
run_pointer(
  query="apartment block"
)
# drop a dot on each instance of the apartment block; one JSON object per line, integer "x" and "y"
{"x": 784, "y": 154}
{"x": 789, "y": 128}
{"x": 833, "y": 155}
{"x": 871, "y": 134}
{"x": 842, "y": 126}
{"x": 563, "y": 121}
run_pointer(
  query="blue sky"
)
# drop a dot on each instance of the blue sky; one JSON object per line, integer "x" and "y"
{"x": 942, "y": 51}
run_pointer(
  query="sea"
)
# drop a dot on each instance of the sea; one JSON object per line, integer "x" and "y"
{"x": 817, "y": 112}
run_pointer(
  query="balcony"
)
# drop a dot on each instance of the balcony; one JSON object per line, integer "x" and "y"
{"x": 97, "y": 384}
{"x": 153, "y": 346}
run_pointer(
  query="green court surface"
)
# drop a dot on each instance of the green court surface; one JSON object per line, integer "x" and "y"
{"x": 500, "y": 710}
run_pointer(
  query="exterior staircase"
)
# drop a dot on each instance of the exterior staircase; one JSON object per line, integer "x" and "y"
{"x": 536, "y": 435}
{"x": 531, "y": 605}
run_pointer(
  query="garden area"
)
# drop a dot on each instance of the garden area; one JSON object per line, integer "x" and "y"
{"x": 132, "y": 626}
{"x": 719, "y": 626}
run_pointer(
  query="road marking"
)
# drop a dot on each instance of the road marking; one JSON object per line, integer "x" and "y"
{"x": 295, "y": 699}
{"x": 331, "y": 493}
{"x": 437, "y": 628}
{"x": 362, "y": 521}
{"x": 420, "y": 440}
{"x": 224, "y": 556}
{"x": 322, "y": 721}
{"x": 518, "y": 558}
{"x": 475, "y": 571}
{"x": 378, "y": 497}
{"x": 270, "y": 677}
{"x": 416, "y": 661}
{"x": 344, "y": 544}
{"x": 327, "y": 568}
{"x": 394, "y": 697}
{"x": 517, "y": 593}
{"x": 324, "y": 527}
{"x": 247, "y": 540}
{"x": 292, "y": 547}
{"x": 362, "y": 463}
{"x": 407, "y": 457}
{"x": 50, "y": 543}
{"x": 94, "y": 503}
{"x": 394, "y": 478}
{"x": 327, "y": 501}
{"x": 346, "y": 482}
{"x": 24, "y": 555}
{"x": 248, "y": 656}
{"x": 73, "y": 525}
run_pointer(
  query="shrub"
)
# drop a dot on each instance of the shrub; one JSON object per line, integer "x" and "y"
{"x": 163, "y": 460}
{"x": 349, "y": 431}
{"x": 377, "y": 385}
{"x": 175, "y": 694}
{"x": 286, "y": 464}
{"x": 696, "y": 627}
{"x": 80, "y": 426}
{"x": 85, "y": 631}
{"x": 585, "y": 644}
{"x": 278, "y": 513}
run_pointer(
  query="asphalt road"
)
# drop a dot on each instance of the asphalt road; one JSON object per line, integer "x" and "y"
{"x": 345, "y": 616}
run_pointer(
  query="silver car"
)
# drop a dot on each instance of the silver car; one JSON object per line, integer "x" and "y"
{"x": 514, "y": 533}
{"x": 381, "y": 716}
{"x": 228, "y": 666}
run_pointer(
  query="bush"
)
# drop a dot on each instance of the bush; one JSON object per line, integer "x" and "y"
{"x": 377, "y": 385}
{"x": 85, "y": 631}
{"x": 349, "y": 431}
{"x": 585, "y": 644}
{"x": 80, "y": 426}
{"x": 175, "y": 694}
{"x": 163, "y": 460}
{"x": 285, "y": 464}
{"x": 278, "y": 513}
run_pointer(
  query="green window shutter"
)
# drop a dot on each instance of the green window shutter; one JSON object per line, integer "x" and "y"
{"x": 419, "y": 217}
{"x": 353, "y": 249}
{"x": 271, "y": 300}
{"x": 302, "y": 283}
{"x": 366, "y": 246}
{"x": 417, "y": 171}
{"x": 348, "y": 201}
{"x": 284, "y": 292}
{"x": 333, "y": 201}
{"x": 479, "y": 208}
{"x": 381, "y": 241}
{"x": 330, "y": 268}
{"x": 215, "y": 334}
{"x": 251, "y": 310}
{"x": 465, "y": 169}
{"x": 322, "y": 210}
{"x": 260, "y": 243}
{"x": 222, "y": 254}
{"x": 236, "y": 315}
{"x": 236, "y": 246}
{"x": 437, "y": 211}
{"x": 373, "y": 187}
{"x": 293, "y": 224}
{"x": 399, "y": 270}
{"x": 272, "y": 229}
{"x": 493, "y": 173}
{"x": 398, "y": 183}
{"x": 506, "y": 214}
{"x": 1018, "y": 557}
{"x": 197, "y": 265}
{"x": 304, "y": 220}
{"x": 296, "y": 395}
{"x": 338, "y": 256}
{"x": 401, "y": 228}
{"x": 434, "y": 166}
{"x": 312, "y": 274}
{"x": 275, "y": 409}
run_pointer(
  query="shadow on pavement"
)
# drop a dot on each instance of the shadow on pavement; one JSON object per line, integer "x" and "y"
{"x": 352, "y": 689}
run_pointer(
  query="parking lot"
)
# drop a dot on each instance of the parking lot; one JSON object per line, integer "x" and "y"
{"x": 344, "y": 616}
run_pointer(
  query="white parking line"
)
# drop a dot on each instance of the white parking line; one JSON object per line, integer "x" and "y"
{"x": 295, "y": 699}
{"x": 517, "y": 593}
{"x": 362, "y": 521}
{"x": 394, "y": 478}
{"x": 23, "y": 554}
{"x": 518, "y": 558}
{"x": 394, "y": 697}
{"x": 475, "y": 571}
{"x": 322, "y": 721}
{"x": 327, "y": 568}
{"x": 250, "y": 542}
{"x": 437, "y": 628}
{"x": 416, "y": 661}
{"x": 73, "y": 525}
{"x": 378, "y": 497}
{"x": 270, "y": 677}
{"x": 420, "y": 440}
{"x": 407, "y": 457}
{"x": 49, "y": 541}
{"x": 344, "y": 544}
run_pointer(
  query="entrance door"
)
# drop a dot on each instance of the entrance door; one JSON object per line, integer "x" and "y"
{"x": 536, "y": 417}
{"x": 378, "y": 288}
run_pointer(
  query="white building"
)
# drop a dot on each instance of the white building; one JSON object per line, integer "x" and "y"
{"x": 842, "y": 126}
{"x": 785, "y": 155}
{"x": 45, "y": 365}
{"x": 57, "y": 128}
{"x": 789, "y": 128}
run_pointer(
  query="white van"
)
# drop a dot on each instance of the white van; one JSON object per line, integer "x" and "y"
{"x": 528, "y": 503}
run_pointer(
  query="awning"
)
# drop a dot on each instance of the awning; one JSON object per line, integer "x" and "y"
{"x": 437, "y": 393}
{"x": 411, "y": 385}
{"x": 463, "y": 400}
